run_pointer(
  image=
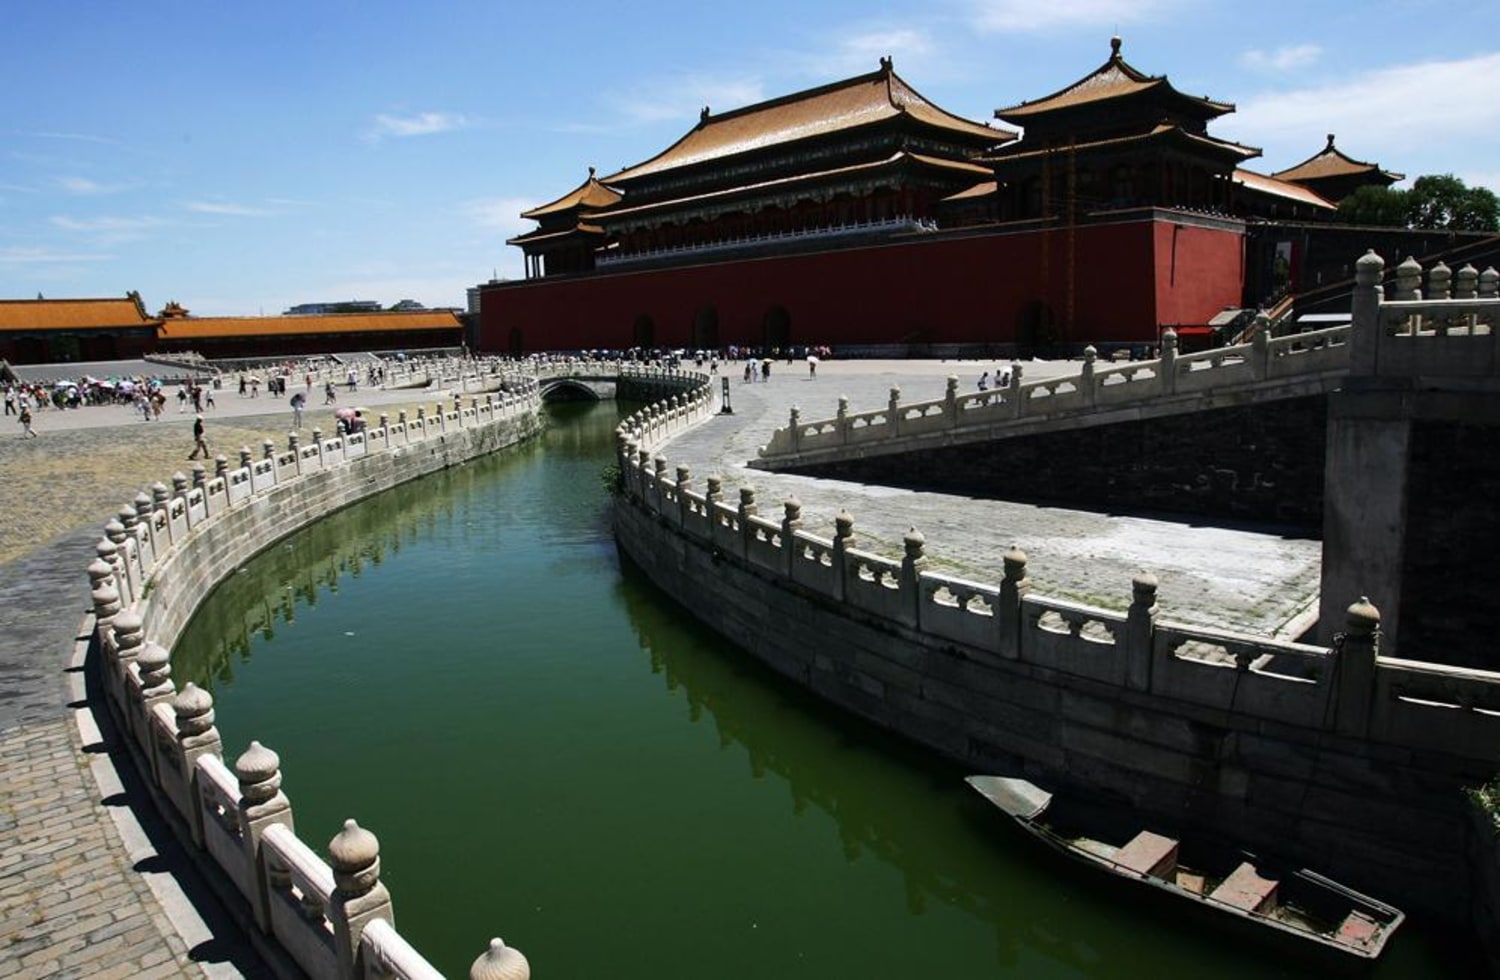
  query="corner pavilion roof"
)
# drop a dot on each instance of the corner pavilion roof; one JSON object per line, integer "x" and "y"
{"x": 837, "y": 107}
{"x": 1331, "y": 162}
{"x": 589, "y": 194}
{"x": 1282, "y": 188}
{"x": 72, "y": 314}
{"x": 1162, "y": 132}
{"x": 207, "y": 327}
{"x": 1115, "y": 79}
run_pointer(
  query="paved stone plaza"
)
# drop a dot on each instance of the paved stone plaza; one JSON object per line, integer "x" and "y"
{"x": 86, "y": 889}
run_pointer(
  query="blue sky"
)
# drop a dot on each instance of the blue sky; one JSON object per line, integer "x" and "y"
{"x": 241, "y": 158}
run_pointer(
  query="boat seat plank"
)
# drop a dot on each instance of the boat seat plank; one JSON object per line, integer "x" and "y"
{"x": 1149, "y": 854}
{"x": 1357, "y": 929}
{"x": 1246, "y": 889}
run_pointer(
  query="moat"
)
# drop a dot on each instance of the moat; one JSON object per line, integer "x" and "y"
{"x": 551, "y": 751}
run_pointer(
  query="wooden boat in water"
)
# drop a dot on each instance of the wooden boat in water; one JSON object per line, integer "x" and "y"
{"x": 1297, "y": 903}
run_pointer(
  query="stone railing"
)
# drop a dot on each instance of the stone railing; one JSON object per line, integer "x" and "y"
{"x": 1350, "y": 689}
{"x": 329, "y": 916}
{"x": 1445, "y": 331}
{"x": 1271, "y": 362}
{"x": 689, "y": 400}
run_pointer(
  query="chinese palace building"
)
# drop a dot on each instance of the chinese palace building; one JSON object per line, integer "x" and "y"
{"x": 861, "y": 214}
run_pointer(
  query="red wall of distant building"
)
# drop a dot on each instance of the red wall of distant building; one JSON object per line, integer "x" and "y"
{"x": 929, "y": 289}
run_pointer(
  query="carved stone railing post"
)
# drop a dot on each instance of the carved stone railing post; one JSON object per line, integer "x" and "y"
{"x": 1013, "y": 396}
{"x": 246, "y": 457}
{"x": 1355, "y": 652}
{"x": 1489, "y": 284}
{"x": 180, "y": 485}
{"x": 200, "y": 476}
{"x": 262, "y": 805}
{"x": 950, "y": 401}
{"x": 913, "y": 560}
{"x": 500, "y": 962}
{"x": 715, "y": 491}
{"x": 143, "y": 507}
{"x": 1260, "y": 348}
{"x": 196, "y": 736}
{"x": 791, "y": 522}
{"x": 893, "y": 412}
{"x": 161, "y": 495}
{"x": 128, "y": 518}
{"x": 794, "y": 428}
{"x": 154, "y": 668}
{"x": 1168, "y": 361}
{"x": 115, "y": 531}
{"x": 221, "y": 466}
{"x": 659, "y": 470}
{"x": 843, "y": 540}
{"x": 1140, "y": 628}
{"x": 843, "y": 420}
{"x": 267, "y": 449}
{"x": 1086, "y": 383}
{"x": 1364, "y": 325}
{"x": 359, "y": 898}
{"x": 684, "y": 484}
{"x": 1013, "y": 589}
{"x": 1408, "y": 282}
{"x": 748, "y": 509}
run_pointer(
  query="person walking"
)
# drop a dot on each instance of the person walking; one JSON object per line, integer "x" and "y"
{"x": 299, "y": 402}
{"x": 25, "y": 420}
{"x": 200, "y": 444}
{"x": 10, "y": 400}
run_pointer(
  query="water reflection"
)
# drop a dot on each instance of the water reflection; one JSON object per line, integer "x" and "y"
{"x": 521, "y": 717}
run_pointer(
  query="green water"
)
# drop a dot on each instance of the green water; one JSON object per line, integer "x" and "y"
{"x": 552, "y": 752}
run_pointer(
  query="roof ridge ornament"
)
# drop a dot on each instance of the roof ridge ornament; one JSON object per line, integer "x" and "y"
{"x": 1114, "y": 47}
{"x": 1330, "y": 143}
{"x": 703, "y": 116}
{"x": 887, "y": 63}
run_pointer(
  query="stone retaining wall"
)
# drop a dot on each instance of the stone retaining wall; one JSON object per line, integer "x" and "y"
{"x": 1337, "y": 756}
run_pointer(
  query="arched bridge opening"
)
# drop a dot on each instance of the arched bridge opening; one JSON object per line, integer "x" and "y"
{"x": 575, "y": 390}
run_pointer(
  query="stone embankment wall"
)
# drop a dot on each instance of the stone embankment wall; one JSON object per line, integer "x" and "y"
{"x": 1261, "y": 462}
{"x": 323, "y": 918}
{"x": 1348, "y": 760}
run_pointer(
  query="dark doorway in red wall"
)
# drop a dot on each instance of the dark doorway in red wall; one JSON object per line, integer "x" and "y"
{"x": 643, "y": 333}
{"x": 706, "y": 329}
{"x": 777, "y": 327}
{"x": 1036, "y": 328}
{"x": 517, "y": 342}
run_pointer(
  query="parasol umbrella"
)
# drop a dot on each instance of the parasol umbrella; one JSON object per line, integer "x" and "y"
{"x": 344, "y": 413}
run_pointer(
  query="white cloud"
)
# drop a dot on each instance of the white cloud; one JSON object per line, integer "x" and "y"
{"x": 861, "y": 52}
{"x": 108, "y": 229}
{"x": 1022, "y": 16}
{"x": 1393, "y": 115}
{"x": 1284, "y": 58}
{"x": 683, "y": 96}
{"x": 224, "y": 207}
{"x": 502, "y": 214}
{"x": 421, "y": 124}
{"x": 16, "y": 255}
{"x": 84, "y": 186}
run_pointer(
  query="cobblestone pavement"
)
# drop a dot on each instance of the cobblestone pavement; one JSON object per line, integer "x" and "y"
{"x": 83, "y": 891}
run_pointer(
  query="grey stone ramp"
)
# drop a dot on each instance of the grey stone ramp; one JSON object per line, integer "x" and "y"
{"x": 1248, "y": 580}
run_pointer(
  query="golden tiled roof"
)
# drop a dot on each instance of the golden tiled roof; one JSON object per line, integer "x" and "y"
{"x": 846, "y": 105}
{"x": 1281, "y": 188}
{"x": 982, "y": 189}
{"x": 545, "y": 234}
{"x": 208, "y": 327}
{"x": 1112, "y": 80}
{"x": 72, "y": 314}
{"x": 1331, "y": 162}
{"x": 956, "y": 166}
{"x": 1163, "y": 131}
{"x": 589, "y": 194}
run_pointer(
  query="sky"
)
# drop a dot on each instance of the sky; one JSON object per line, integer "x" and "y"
{"x": 241, "y": 158}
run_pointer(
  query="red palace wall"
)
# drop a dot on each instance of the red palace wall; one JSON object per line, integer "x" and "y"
{"x": 973, "y": 288}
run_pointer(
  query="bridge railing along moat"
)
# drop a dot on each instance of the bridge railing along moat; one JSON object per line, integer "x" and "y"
{"x": 164, "y": 553}
{"x": 1267, "y": 366}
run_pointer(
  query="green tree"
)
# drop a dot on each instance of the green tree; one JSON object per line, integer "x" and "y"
{"x": 1376, "y": 206}
{"x": 1444, "y": 201}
